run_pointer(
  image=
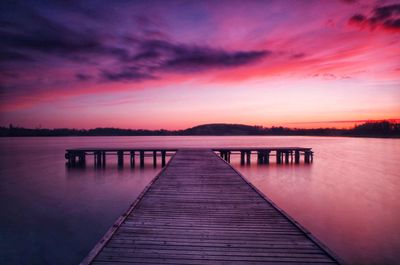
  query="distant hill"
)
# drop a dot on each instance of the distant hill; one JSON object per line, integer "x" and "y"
{"x": 223, "y": 129}
{"x": 369, "y": 129}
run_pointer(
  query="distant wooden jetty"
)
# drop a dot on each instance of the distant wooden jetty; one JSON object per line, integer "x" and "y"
{"x": 77, "y": 157}
{"x": 200, "y": 210}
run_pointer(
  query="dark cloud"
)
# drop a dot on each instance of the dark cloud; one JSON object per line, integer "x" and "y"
{"x": 358, "y": 18}
{"x": 35, "y": 33}
{"x": 147, "y": 55}
{"x": 29, "y": 34}
{"x": 298, "y": 55}
{"x": 125, "y": 74}
{"x": 349, "y": 1}
{"x": 385, "y": 17}
{"x": 7, "y": 56}
{"x": 83, "y": 77}
{"x": 393, "y": 24}
{"x": 155, "y": 57}
{"x": 385, "y": 12}
{"x": 8, "y": 74}
{"x": 204, "y": 58}
{"x": 167, "y": 56}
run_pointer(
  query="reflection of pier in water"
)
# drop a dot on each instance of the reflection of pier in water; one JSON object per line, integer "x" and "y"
{"x": 77, "y": 157}
{"x": 200, "y": 210}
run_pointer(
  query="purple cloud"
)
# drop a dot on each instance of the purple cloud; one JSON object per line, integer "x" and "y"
{"x": 386, "y": 17}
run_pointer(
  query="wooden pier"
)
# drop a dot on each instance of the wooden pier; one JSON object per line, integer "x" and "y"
{"x": 77, "y": 157}
{"x": 200, "y": 210}
{"x": 282, "y": 154}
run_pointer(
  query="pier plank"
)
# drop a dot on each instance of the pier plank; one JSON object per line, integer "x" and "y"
{"x": 200, "y": 210}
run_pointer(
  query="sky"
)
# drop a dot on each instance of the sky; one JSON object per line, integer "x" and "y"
{"x": 177, "y": 64}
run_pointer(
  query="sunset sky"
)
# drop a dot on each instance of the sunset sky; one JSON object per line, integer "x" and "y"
{"x": 177, "y": 64}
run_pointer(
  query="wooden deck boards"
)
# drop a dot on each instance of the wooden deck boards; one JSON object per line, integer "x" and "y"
{"x": 199, "y": 210}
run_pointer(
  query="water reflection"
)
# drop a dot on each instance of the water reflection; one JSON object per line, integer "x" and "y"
{"x": 348, "y": 197}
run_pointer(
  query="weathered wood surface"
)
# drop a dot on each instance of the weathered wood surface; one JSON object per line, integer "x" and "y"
{"x": 199, "y": 210}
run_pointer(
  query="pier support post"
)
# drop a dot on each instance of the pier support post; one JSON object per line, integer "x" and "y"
{"x": 242, "y": 157}
{"x": 120, "y": 158}
{"x": 248, "y": 154}
{"x": 226, "y": 155}
{"x": 97, "y": 158}
{"x": 266, "y": 157}
{"x": 296, "y": 157}
{"x": 141, "y": 159}
{"x": 71, "y": 159}
{"x": 278, "y": 157}
{"x": 262, "y": 157}
{"x": 259, "y": 157}
{"x": 132, "y": 159}
{"x": 68, "y": 157}
{"x": 163, "y": 155}
{"x": 154, "y": 158}
{"x": 286, "y": 157}
{"x": 103, "y": 162}
{"x": 307, "y": 157}
{"x": 81, "y": 159}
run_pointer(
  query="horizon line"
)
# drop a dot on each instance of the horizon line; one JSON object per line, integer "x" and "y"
{"x": 394, "y": 120}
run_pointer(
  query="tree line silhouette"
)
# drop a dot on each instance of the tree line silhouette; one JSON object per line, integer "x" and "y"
{"x": 368, "y": 129}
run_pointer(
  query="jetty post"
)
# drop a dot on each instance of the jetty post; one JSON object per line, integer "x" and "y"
{"x": 103, "y": 160}
{"x": 308, "y": 156}
{"x": 242, "y": 157}
{"x": 132, "y": 159}
{"x": 263, "y": 156}
{"x": 81, "y": 159}
{"x": 97, "y": 159}
{"x": 154, "y": 158}
{"x": 266, "y": 157}
{"x": 259, "y": 157}
{"x": 248, "y": 157}
{"x": 225, "y": 155}
{"x": 278, "y": 156}
{"x": 286, "y": 157}
{"x": 163, "y": 155}
{"x": 141, "y": 153}
{"x": 296, "y": 156}
{"x": 120, "y": 155}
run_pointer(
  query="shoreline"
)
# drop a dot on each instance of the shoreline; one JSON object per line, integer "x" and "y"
{"x": 206, "y": 135}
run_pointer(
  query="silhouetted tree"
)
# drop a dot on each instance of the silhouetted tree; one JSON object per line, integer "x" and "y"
{"x": 369, "y": 129}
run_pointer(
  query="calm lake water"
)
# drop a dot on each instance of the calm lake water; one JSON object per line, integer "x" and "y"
{"x": 349, "y": 198}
